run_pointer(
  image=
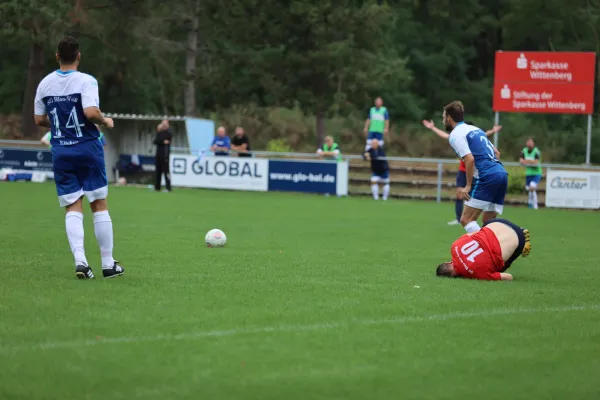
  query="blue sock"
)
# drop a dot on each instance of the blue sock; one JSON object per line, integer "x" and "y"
{"x": 458, "y": 208}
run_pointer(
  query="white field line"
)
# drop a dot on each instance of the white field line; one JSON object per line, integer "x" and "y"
{"x": 290, "y": 328}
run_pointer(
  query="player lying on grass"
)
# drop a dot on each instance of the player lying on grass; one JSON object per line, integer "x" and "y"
{"x": 487, "y": 253}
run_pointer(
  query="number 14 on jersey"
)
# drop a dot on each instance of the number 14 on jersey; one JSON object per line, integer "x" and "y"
{"x": 72, "y": 123}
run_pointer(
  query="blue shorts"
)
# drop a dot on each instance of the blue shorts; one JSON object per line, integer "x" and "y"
{"x": 488, "y": 193}
{"x": 461, "y": 179}
{"x": 383, "y": 178}
{"x": 79, "y": 169}
{"x": 375, "y": 135}
{"x": 532, "y": 180}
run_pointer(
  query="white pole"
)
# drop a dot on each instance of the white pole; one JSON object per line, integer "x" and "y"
{"x": 440, "y": 171}
{"x": 496, "y": 122}
{"x": 588, "y": 149}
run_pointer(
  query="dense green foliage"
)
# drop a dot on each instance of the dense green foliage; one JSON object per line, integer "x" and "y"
{"x": 324, "y": 58}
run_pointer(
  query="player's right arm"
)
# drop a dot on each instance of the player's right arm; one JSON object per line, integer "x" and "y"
{"x": 431, "y": 126}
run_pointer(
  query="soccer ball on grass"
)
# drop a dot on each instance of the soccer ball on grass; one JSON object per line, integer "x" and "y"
{"x": 215, "y": 238}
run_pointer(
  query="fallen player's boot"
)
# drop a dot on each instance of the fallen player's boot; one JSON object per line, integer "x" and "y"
{"x": 527, "y": 246}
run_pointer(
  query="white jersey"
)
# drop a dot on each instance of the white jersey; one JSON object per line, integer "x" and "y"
{"x": 468, "y": 139}
{"x": 63, "y": 96}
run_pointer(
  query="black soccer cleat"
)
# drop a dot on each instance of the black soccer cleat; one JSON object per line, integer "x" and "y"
{"x": 83, "y": 271}
{"x": 116, "y": 270}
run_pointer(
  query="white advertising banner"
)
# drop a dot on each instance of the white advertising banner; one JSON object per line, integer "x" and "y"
{"x": 235, "y": 173}
{"x": 573, "y": 189}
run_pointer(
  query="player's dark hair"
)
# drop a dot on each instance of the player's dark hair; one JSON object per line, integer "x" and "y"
{"x": 456, "y": 110}
{"x": 444, "y": 269}
{"x": 67, "y": 49}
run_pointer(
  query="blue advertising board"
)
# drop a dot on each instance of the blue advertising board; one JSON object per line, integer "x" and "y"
{"x": 30, "y": 160}
{"x": 303, "y": 176}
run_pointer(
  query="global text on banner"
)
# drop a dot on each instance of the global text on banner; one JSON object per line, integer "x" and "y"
{"x": 573, "y": 189}
{"x": 219, "y": 172}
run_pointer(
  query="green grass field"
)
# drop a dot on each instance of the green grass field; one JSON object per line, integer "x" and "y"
{"x": 313, "y": 298}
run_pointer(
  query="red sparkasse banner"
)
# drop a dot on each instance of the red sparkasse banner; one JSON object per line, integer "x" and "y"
{"x": 544, "y": 82}
{"x": 545, "y": 66}
{"x": 544, "y": 98}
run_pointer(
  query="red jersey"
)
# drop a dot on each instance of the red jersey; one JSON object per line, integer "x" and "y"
{"x": 478, "y": 256}
{"x": 462, "y": 166}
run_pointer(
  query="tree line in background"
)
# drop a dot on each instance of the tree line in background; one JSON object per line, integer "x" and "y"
{"x": 279, "y": 64}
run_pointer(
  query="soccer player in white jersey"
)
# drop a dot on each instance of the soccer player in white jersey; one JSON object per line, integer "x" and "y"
{"x": 67, "y": 102}
{"x": 487, "y": 180}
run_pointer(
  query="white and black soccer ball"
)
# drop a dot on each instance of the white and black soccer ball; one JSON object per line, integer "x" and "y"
{"x": 215, "y": 238}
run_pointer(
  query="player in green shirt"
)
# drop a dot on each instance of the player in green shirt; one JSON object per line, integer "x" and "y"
{"x": 531, "y": 159}
{"x": 377, "y": 124}
{"x": 330, "y": 150}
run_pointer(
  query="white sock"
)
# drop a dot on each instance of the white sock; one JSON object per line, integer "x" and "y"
{"x": 472, "y": 227}
{"x": 368, "y": 145}
{"x": 386, "y": 191}
{"x": 375, "y": 190}
{"x": 530, "y": 200}
{"x": 104, "y": 236}
{"x": 75, "y": 233}
{"x": 534, "y": 199}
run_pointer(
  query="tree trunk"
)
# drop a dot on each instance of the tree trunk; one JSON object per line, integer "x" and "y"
{"x": 191, "y": 58}
{"x": 35, "y": 73}
{"x": 320, "y": 127}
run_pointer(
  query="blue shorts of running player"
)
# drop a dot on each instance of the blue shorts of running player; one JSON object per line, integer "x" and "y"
{"x": 375, "y": 135}
{"x": 461, "y": 179}
{"x": 381, "y": 178}
{"x": 488, "y": 192}
{"x": 79, "y": 170}
{"x": 532, "y": 181}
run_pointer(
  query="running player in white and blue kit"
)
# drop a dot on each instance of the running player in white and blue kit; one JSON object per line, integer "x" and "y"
{"x": 487, "y": 180}
{"x": 67, "y": 102}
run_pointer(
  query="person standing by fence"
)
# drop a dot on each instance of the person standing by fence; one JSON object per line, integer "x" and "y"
{"x": 380, "y": 170}
{"x": 377, "y": 124}
{"x": 330, "y": 150}
{"x": 240, "y": 143}
{"x": 221, "y": 143}
{"x": 163, "y": 139}
{"x": 531, "y": 159}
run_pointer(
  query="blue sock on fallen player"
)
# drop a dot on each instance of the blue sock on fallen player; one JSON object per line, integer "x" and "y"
{"x": 458, "y": 208}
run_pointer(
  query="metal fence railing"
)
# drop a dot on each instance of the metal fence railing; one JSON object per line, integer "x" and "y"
{"x": 439, "y": 163}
